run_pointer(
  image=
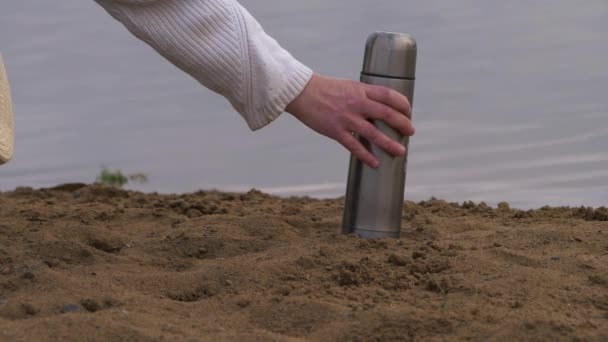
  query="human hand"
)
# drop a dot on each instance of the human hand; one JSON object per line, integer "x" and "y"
{"x": 338, "y": 108}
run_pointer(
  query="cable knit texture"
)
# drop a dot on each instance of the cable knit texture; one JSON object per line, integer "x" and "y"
{"x": 222, "y": 46}
{"x": 7, "y": 132}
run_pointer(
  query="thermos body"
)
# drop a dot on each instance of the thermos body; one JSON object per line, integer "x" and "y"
{"x": 374, "y": 197}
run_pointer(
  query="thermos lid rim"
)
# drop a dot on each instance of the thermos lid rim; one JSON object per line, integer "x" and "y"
{"x": 388, "y": 76}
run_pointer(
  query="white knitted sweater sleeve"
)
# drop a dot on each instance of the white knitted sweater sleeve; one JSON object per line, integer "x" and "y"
{"x": 222, "y": 46}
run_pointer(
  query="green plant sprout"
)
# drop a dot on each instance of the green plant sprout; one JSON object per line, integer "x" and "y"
{"x": 118, "y": 179}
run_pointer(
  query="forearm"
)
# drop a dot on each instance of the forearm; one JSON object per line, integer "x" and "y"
{"x": 222, "y": 46}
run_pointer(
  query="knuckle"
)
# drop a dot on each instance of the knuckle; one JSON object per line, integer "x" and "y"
{"x": 386, "y": 143}
{"x": 352, "y": 100}
{"x": 379, "y": 140}
{"x": 357, "y": 124}
{"x": 386, "y": 114}
{"x": 358, "y": 149}
{"x": 385, "y": 94}
{"x": 362, "y": 152}
{"x": 351, "y": 97}
{"x": 336, "y": 130}
{"x": 403, "y": 123}
{"x": 369, "y": 131}
{"x": 355, "y": 84}
{"x": 349, "y": 121}
{"x": 345, "y": 139}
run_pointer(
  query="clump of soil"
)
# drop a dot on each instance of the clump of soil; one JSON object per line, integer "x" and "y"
{"x": 96, "y": 263}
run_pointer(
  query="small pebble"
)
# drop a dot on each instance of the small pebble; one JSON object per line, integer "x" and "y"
{"x": 418, "y": 255}
{"x": 194, "y": 213}
{"x": 90, "y": 304}
{"x": 284, "y": 291}
{"x": 399, "y": 260}
{"x": 7, "y": 270}
{"x": 28, "y": 275}
{"x": 243, "y": 303}
{"x": 29, "y": 309}
{"x": 71, "y": 308}
{"x": 51, "y": 262}
{"x": 305, "y": 262}
{"x": 599, "y": 279}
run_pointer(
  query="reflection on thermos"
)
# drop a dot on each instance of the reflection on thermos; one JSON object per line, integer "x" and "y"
{"x": 374, "y": 197}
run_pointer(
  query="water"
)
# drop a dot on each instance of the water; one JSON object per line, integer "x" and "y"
{"x": 510, "y": 101}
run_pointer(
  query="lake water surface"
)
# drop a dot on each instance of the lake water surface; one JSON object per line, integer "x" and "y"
{"x": 511, "y": 101}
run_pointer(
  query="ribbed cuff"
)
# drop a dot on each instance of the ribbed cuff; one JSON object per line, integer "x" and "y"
{"x": 294, "y": 86}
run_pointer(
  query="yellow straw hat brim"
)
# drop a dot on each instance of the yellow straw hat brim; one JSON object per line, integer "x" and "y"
{"x": 7, "y": 132}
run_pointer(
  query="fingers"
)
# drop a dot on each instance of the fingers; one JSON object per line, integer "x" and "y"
{"x": 374, "y": 136}
{"x": 378, "y": 111}
{"x": 389, "y": 97}
{"x": 354, "y": 145}
{"x": 365, "y": 129}
{"x": 336, "y": 108}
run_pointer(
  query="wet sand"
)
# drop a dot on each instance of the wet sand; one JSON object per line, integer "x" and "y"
{"x": 95, "y": 263}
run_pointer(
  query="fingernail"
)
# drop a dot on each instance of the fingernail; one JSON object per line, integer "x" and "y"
{"x": 375, "y": 164}
{"x": 401, "y": 150}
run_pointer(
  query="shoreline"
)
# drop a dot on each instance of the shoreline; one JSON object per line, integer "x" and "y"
{"x": 579, "y": 209}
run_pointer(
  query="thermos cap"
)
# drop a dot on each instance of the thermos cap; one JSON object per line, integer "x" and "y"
{"x": 389, "y": 54}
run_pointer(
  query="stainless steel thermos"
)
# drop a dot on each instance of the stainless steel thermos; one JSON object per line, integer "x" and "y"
{"x": 374, "y": 197}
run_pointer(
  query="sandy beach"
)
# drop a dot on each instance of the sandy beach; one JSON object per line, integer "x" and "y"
{"x": 82, "y": 262}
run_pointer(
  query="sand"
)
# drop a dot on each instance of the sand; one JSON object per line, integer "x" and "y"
{"x": 83, "y": 262}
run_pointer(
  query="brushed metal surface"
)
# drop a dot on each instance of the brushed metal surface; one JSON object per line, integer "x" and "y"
{"x": 374, "y": 197}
